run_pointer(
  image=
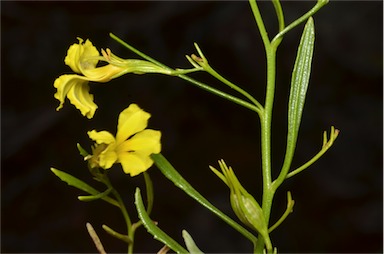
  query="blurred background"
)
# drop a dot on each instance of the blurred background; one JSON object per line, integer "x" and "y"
{"x": 338, "y": 200}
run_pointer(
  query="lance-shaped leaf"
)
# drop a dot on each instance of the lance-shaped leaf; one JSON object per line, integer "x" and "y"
{"x": 300, "y": 79}
{"x": 299, "y": 85}
{"x": 170, "y": 172}
{"x": 153, "y": 228}
{"x": 75, "y": 182}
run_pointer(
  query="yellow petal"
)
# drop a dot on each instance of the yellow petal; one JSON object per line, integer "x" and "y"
{"x": 145, "y": 142}
{"x": 82, "y": 56}
{"x": 134, "y": 163}
{"x": 80, "y": 97}
{"x": 131, "y": 120}
{"x": 101, "y": 137}
{"x": 107, "y": 158}
{"x": 76, "y": 88}
{"x": 63, "y": 84}
{"x": 102, "y": 74}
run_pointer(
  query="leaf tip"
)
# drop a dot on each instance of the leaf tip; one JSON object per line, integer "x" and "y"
{"x": 55, "y": 171}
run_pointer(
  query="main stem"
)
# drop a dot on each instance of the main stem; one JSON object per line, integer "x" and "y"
{"x": 266, "y": 120}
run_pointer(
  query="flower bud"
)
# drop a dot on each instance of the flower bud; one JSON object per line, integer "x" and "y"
{"x": 243, "y": 204}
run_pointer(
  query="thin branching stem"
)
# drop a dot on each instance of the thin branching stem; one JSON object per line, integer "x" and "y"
{"x": 189, "y": 79}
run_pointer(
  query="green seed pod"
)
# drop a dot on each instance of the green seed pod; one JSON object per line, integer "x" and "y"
{"x": 237, "y": 209}
{"x": 253, "y": 213}
{"x": 243, "y": 204}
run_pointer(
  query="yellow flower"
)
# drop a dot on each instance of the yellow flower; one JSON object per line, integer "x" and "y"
{"x": 83, "y": 57}
{"x": 132, "y": 145}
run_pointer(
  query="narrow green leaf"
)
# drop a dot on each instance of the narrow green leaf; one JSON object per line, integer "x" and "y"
{"x": 149, "y": 191}
{"x": 190, "y": 243}
{"x": 299, "y": 85}
{"x": 152, "y": 228}
{"x": 170, "y": 172}
{"x": 73, "y": 181}
{"x": 300, "y": 80}
{"x": 77, "y": 183}
{"x": 95, "y": 197}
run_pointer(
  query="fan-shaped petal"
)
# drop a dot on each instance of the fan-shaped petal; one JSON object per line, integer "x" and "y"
{"x": 101, "y": 137}
{"x": 134, "y": 163}
{"x": 131, "y": 120}
{"x": 80, "y": 97}
{"x": 144, "y": 142}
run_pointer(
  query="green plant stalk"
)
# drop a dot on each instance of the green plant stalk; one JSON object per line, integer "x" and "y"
{"x": 113, "y": 233}
{"x": 326, "y": 146}
{"x": 290, "y": 205}
{"x": 221, "y": 94}
{"x": 204, "y": 63}
{"x": 266, "y": 118}
{"x": 131, "y": 232}
{"x": 215, "y": 74}
{"x": 189, "y": 79}
{"x": 279, "y": 14}
{"x": 317, "y": 7}
{"x": 123, "y": 209}
{"x": 104, "y": 179}
{"x": 265, "y": 122}
{"x": 149, "y": 191}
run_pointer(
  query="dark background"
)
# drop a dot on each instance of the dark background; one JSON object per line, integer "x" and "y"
{"x": 338, "y": 200}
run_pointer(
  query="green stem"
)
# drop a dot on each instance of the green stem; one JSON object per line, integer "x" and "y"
{"x": 123, "y": 209}
{"x": 266, "y": 121}
{"x": 326, "y": 146}
{"x": 279, "y": 14}
{"x": 318, "y": 6}
{"x": 266, "y": 118}
{"x": 113, "y": 233}
{"x": 290, "y": 205}
{"x": 259, "y": 22}
{"x": 131, "y": 232}
{"x": 221, "y": 94}
{"x": 203, "y": 62}
{"x": 189, "y": 79}
{"x": 149, "y": 191}
{"x": 215, "y": 74}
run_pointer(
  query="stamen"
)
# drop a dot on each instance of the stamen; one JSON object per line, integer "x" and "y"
{"x": 106, "y": 55}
